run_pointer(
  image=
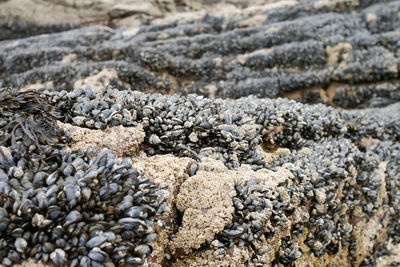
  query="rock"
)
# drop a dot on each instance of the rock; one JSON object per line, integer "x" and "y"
{"x": 124, "y": 141}
{"x": 320, "y": 195}
{"x": 130, "y": 7}
{"x": 250, "y": 178}
{"x": 97, "y": 81}
{"x": 169, "y": 172}
{"x": 206, "y": 201}
{"x": 43, "y": 16}
{"x": 353, "y": 64}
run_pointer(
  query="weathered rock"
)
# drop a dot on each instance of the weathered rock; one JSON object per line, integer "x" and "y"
{"x": 170, "y": 172}
{"x": 124, "y": 141}
{"x": 249, "y": 181}
{"x": 299, "y": 50}
{"x": 23, "y": 18}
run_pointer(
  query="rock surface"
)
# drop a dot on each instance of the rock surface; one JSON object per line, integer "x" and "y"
{"x": 23, "y": 18}
{"x": 343, "y": 55}
{"x": 250, "y": 179}
{"x": 124, "y": 141}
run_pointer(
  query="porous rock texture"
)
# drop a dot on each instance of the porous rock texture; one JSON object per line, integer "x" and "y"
{"x": 342, "y": 53}
{"x": 23, "y": 18}
{"x": 250, "y": 179}
{"x": 124, "y": 140}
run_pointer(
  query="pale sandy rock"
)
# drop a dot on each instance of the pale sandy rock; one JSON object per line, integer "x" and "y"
{"x": 55, "y": 12}
{"x": 132, "y": 21}
{"x": 123, "y": 141}
{"x": 181, "y": 18}
{"x": 334, "y": 52}
{"x": 371, "y": 18}
{"x": 206, "y": 200}
{"x": 320, "y": 195}
{"x": 394, "y": 256}
{"x": 270, "y": 156}
{"x": 69, "y": 58}
{"x": 233, "y": 257}
{"x": 369, "y": 232}
{"x": 192, "y": 4}
{"x": 335, "y": 4}
{"x": 100, "y": 80}
{"x": 31, "y": 263}
{"x": 226, "y": 9}
{"x": 252, "y": 21}
{"x": 243, "y": 57}
{"x": 46, "y": 85}
{"x": 168, "y": 171}
{"x": 130, "y": 7}
{"x": 132, "y": 31}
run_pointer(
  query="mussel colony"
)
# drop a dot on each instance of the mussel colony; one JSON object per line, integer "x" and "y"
{"x": 57, "y": 203}
{"x": 342, "y": 53}
{"x": 230, "y": 131}
{"x": 207, "y": 89}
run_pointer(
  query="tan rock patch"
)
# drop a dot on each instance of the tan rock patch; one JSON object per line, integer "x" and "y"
{"x": 334, "y": 52}
{"x": 233, "y": 257}
{"x": 243, "y": 57}
{"x": 393, "y": 68}
{"x": 272, "y": 29}
{"x": 252, "y": 21}
{"x": 206, "y": 200}
{"x": 124, "y": 141}
{"x": 207, "y": 205}
{"x": 31, "y": 262}
{"x": 335, "y": 4}
{"x": 99, "y": 80}
{"x": 130, "y": 7}
{"x": 394, "y": 256}
{"x": 170, "y": 172}
{"x": 371, "y": 18}
{"x": 130, "y": 32}
{"x": 68, "y": 58}
{"x": 46, "y": 85}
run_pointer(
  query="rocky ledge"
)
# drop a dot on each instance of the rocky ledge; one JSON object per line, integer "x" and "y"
{"x": 170, "y": 144}
{"x": 340, "y": 53}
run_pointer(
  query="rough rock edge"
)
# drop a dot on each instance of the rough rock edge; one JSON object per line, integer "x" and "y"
{"x": 60, "y": 15}
{"x": 124, "y": 141}
{"x": 206, "y": 202}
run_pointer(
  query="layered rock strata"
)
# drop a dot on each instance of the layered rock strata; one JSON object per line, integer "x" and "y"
{"x": 343, "y": 54}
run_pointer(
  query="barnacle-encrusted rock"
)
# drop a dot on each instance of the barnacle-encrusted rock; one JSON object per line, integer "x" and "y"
{"x": 220, "y": 173}
{"x": 340, "y": 183}
{"x": 205, "y": 200}
{"x": 345, "y": 55}
{"x": 170, "y": 172}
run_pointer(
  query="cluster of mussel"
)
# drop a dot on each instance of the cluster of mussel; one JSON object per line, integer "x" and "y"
{"x": 197, "y": 127}
{"x": 68, "y": 207}
{"x": 333, "y": 158}
{"x": 191, "y": 126}
{"x": 332, "y": 181}
{"x": 259, "y": 211}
